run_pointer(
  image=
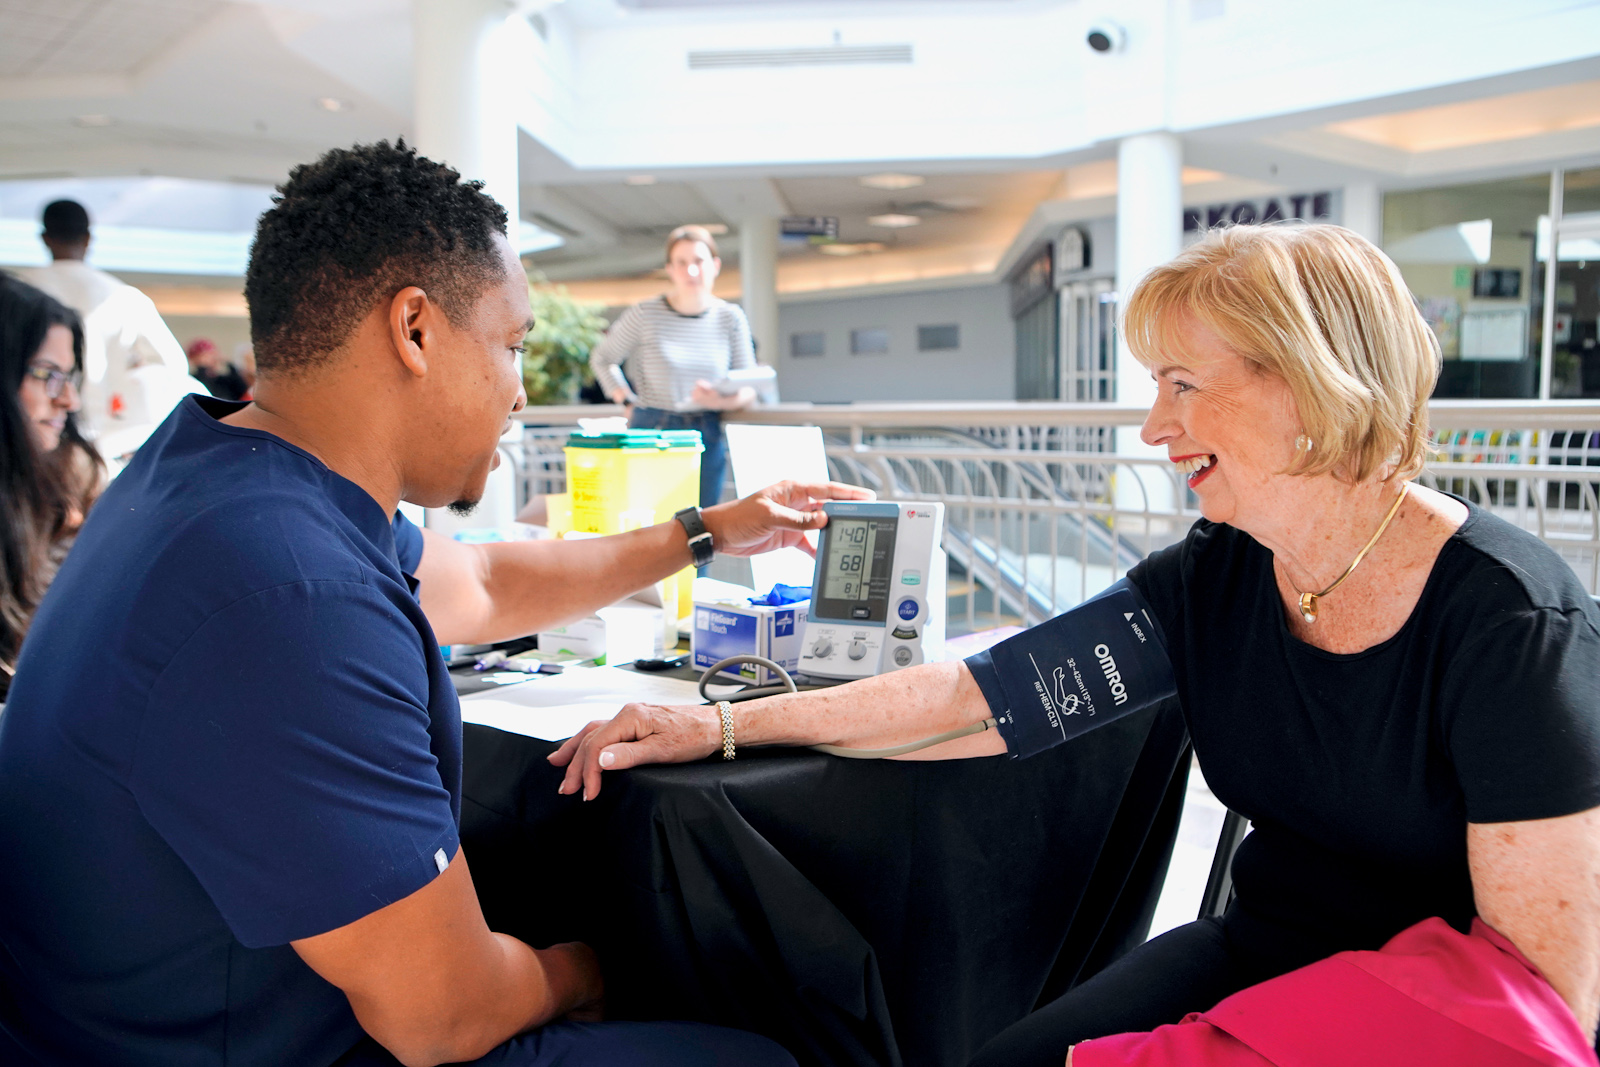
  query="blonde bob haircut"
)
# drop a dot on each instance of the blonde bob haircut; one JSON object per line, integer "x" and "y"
{"x": 1324, "y": 310}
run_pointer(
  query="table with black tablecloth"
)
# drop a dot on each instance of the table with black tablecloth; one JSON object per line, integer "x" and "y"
{"x": 860, "y": 912}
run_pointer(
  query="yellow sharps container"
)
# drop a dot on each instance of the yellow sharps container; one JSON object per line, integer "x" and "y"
{"x": 622, "y": 481}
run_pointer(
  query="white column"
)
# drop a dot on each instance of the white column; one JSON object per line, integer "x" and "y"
{"x": 461, "y": 60}
{"x": 1363, "y": 210}
{"x": 1149, "y": 233}
{"x": 758, "y": 283}
{"x": 464, "y": 118}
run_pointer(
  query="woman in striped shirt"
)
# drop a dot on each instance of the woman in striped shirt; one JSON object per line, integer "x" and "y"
{"x": 677, "y": 347}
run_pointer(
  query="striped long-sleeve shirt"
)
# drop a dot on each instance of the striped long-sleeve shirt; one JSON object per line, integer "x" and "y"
{"x": 667, "y": 352}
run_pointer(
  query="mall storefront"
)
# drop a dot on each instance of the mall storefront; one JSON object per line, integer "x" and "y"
{"x": 1474, "y": 255}
{"x": 1476, "y": 258}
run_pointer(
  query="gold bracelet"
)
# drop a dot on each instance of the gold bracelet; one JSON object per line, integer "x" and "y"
{"x": 725, "y": 712}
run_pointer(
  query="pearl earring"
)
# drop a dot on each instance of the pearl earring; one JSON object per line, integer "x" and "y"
{"x": 1303, "y": 444}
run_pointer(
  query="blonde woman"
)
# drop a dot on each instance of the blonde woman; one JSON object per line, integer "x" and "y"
{"x": 1400, "y": 690}
{"x": 677, "y": 347}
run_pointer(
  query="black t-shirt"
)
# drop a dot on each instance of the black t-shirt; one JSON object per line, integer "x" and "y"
{"x": 1361, "y": 771}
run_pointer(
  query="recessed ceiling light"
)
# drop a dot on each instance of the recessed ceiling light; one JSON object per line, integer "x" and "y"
{"x": 894, "y": 220}
{"x": 892, "y": 181}
{"x": 330, "y": 103}
{"x": 715, "y": 229}
{"x": 640, "y": 179}
{"x": 859, "y": 248}
{"x": 93, "y": 120}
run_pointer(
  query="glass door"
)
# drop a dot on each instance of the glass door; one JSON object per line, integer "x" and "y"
{"x": 1089, "y": 341}
{"x": 1574, "y": 347}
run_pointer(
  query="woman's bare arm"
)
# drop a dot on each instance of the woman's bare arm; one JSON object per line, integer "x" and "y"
{"x": 891, "y": 709}
{"x": 1538, "y": 883}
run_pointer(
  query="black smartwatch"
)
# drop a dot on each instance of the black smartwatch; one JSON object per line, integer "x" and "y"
{"x": 699, "y": 537}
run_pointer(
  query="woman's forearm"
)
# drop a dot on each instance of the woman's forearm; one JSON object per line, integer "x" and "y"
{"x": 890, "y": 709}
{"x": 882, "y": 712}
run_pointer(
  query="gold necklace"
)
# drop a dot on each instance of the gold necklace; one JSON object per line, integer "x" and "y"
{"x": 1308, "y": 601}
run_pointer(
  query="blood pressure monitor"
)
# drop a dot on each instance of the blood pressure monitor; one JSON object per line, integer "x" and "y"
{"x": 878, "y": 592}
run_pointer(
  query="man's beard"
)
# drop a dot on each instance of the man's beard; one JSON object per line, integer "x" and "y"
{"x": 463, "y": 508}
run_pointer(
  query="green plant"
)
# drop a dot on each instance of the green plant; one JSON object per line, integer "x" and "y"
{"x": 555, "y": 359}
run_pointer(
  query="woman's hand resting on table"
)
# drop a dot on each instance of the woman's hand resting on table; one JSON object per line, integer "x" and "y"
{"x": 879, "y": 712}
{"x": 644, "y": 733}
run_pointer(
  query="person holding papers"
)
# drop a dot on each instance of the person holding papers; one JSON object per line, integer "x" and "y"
{"x": 230, "y": 767}
{"x": 677, "y": 348}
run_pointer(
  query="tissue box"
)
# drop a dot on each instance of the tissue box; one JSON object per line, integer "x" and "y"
{"x": 722, "y": 630}
{"x": 624, "y": 631}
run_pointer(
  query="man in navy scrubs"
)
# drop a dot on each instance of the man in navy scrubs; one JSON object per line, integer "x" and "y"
{"x": 230, "y": 769}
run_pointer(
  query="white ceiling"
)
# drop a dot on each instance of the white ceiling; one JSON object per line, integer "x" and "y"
{"x": 77, "y": 37}
{"x": 232, "y": 90}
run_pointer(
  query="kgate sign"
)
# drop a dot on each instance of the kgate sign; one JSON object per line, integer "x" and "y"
{"x": 1305, "y": 206}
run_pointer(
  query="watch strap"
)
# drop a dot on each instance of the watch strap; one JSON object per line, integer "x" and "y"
{"x": 699, "y": 537}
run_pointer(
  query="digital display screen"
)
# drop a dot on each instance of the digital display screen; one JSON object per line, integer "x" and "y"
{"x": 848, "y": 567}
{"x": 853, "y": 580}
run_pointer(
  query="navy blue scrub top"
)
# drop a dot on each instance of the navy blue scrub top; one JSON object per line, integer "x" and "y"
{"x": 231, "y": 728}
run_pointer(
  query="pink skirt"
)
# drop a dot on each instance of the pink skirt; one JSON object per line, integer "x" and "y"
{"x": 1430, "y": 996}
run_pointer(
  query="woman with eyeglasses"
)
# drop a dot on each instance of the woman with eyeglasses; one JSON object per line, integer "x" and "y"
{"x": 49, "y": 475}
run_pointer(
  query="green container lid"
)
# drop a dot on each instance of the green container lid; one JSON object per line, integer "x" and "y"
{"x": 638, "y": 440}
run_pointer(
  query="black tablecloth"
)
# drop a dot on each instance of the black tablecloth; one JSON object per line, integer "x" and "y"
{"x": 860, "y": 912}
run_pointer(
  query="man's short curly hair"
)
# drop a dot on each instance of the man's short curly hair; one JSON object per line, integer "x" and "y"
{"x": 354, "y": 228}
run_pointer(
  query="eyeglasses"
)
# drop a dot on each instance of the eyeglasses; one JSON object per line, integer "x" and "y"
{"x": 54, "y": 378}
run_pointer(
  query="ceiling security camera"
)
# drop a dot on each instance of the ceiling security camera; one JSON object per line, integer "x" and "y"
{"x": 1105, "y": 36}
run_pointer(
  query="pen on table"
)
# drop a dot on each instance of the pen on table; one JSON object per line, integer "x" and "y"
{"x": 499, "y": 661}
{"x": 529, "y": 666}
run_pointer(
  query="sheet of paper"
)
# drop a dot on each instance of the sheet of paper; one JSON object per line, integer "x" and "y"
{"x": 761, "y": 455}
{"x": 553, "y": 707}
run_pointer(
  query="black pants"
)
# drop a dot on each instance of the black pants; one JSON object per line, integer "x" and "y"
{"x": 1187, "y": 969}
{"x": 623, "y": 1044}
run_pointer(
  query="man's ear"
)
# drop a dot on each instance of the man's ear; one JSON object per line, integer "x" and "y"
{"x": 413, "y": 324}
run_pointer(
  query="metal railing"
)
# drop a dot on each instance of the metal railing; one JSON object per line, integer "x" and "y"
{"x": 1048, "y": 503}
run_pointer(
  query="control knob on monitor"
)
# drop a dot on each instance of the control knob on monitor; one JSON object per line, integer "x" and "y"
{"x": 858, "y": 649}
{"x": 823, "y": 648}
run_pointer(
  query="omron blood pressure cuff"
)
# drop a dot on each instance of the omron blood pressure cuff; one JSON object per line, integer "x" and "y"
{"x": 1103, "y": 659}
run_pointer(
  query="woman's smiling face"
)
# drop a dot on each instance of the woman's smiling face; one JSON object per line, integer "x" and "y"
{"x": 1228, "y": 425}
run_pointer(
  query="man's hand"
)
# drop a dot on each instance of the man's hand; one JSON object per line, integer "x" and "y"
{"x": 776, "y": 517}
{"x": 642, "y": 733}
{"x": 478, "y": 594}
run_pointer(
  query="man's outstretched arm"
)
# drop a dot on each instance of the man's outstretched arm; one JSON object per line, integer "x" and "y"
{"x": 476, "y": 594}
{"x": 431, "y": 983}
